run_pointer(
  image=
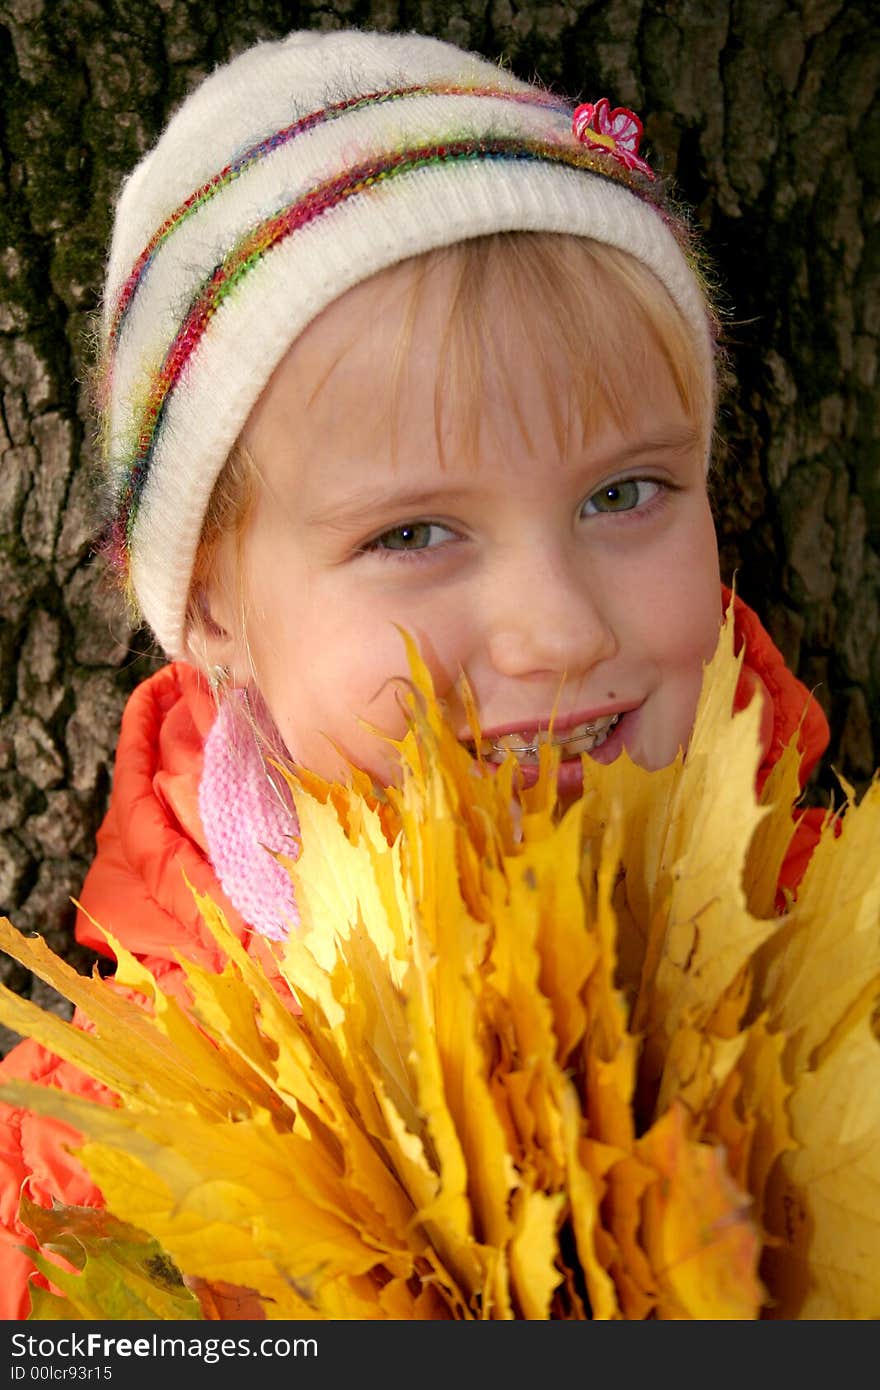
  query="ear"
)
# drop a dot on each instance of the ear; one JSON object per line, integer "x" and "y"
{"x": 216, "y": 635}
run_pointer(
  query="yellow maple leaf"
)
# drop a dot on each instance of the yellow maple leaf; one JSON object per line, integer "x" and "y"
{"x": 546, "y": 1065}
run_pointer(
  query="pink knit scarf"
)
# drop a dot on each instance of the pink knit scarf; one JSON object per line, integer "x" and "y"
{"x": 247, "y": 821}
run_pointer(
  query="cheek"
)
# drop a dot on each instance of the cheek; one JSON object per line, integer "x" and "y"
{"x": 689, "y": 626}
{"x": 686, "y": 598}
{"x": 337, "y": 697}
{"x": 679, "y": 620}
{"x": 692, "y": 643}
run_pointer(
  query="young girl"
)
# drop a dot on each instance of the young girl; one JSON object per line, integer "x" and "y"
{"x": 392, "y": 342}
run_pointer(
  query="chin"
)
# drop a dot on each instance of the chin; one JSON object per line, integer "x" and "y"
{"x": 646, "y": 752}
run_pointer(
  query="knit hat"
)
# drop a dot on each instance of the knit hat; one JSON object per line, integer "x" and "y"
{"x": 293, "y": 172}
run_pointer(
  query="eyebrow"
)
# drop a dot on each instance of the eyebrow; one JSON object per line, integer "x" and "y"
{"x": 678, "y": 441}
{"x": 366, "y": 505}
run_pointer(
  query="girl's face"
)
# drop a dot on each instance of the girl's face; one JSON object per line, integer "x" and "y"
{"x": 579, "y": 576}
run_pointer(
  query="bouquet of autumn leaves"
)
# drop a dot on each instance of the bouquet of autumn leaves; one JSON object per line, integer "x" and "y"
{"x": 546, "y": 1066}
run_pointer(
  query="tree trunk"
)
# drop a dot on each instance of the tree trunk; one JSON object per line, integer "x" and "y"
{"x": 763, "y": 115}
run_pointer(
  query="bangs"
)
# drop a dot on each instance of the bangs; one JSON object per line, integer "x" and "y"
{"x": 591, "y": 314}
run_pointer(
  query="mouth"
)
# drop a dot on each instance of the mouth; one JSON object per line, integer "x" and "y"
{"x": 525, "y": 747}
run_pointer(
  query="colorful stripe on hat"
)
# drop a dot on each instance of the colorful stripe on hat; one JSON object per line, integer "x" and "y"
{"x": 276, "y": 140}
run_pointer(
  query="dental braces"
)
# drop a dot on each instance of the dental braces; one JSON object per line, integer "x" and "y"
{"x": 526, "y": 750}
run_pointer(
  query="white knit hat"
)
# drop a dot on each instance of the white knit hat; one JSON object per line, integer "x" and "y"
{"x": 291, "y": 173}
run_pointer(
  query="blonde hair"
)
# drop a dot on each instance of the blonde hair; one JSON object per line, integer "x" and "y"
{"x": 592, "y": 296}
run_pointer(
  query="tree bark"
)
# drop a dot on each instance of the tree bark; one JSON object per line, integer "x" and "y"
{"x": 763, "y": 115}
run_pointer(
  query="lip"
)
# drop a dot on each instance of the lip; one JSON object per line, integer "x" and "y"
{"x": 559, "y": 725}
{"x": 621, "y": 737}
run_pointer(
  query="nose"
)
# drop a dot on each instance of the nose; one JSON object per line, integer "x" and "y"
{"x": 548, "y": 616}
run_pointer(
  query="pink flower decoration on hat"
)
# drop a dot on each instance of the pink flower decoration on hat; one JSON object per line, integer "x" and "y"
{"x": 618, "y": 131}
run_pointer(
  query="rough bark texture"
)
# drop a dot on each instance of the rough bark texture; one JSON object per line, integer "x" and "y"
{"x": 762, "y": 111}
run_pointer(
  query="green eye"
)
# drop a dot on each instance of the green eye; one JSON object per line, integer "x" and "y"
{"x": 415, "y": 536}
{"x": 616, "y": 497}
{"x": 628, "y": 495}
{"x": 410, "y": 537}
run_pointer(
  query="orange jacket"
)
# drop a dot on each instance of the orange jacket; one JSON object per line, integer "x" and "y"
{"x": 151, "y": 842}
